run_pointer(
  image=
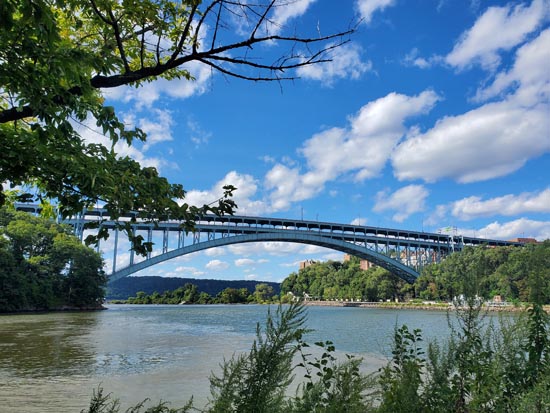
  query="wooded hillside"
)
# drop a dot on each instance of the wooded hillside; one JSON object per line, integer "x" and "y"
{"x": 515, "y": 274}
{"x": 128, "y": 287}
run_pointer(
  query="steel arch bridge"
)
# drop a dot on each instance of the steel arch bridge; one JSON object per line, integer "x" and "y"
{"x": 402, "y": 252}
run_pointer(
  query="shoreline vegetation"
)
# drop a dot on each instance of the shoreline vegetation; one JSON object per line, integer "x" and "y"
{"x": 189, "y": 294}
{"x": 501, "y": 276}
{"x": 44, "y": 267}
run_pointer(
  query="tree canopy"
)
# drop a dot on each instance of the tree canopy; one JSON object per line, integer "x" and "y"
{"x": 43, "y": 266}
{"x": 514, "y": 273}
{"x": 336, "y": 280}
{"x": 57, "y": 56}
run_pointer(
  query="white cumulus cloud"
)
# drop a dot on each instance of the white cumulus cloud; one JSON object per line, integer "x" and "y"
{"x": 247, "y": 187}
{"x": 475, "y": 207}
{"x": 519, "y": 228}
{"x": 484, "y": 143}
{"x": 498, "y": 29}
{"x": 494, "y": 139}
{"x": 367, "y": 8}
{"x": 346, "y": 63}
{"x": 157, "y": 128}
{"x": 405, "y": 201}
{"x": 217, "y": 265}
{"x": 286, "y": 11}
{"x": 360, "y": 150}
{"x": 147, "y": 94}
{"x": 359, "y": 221}
{"x": 530, "y": 74}
{"x": 92, "y": 134}
{"x": 244, "y": 262}
{"x": 187, "y": 271}
{"x": 272, "y": 248}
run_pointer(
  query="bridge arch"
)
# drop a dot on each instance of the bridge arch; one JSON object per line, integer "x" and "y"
{"x": 406, "y": 273}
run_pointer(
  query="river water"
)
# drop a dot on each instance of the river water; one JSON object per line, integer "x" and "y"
{"x": 52, "y": 362}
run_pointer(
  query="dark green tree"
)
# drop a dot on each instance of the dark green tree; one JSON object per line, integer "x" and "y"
{"x": 45, "y": 267}
{"x": 263, "y": 293}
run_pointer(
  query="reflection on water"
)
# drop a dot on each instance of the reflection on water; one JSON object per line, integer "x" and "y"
{"x": 46, "y": 345}
{"x": 52, "y": 362}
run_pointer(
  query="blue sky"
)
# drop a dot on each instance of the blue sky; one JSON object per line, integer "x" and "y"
{"x": 436, "y": 114}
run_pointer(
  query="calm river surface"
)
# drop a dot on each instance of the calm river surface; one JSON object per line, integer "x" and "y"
{"x": 52, "y": 362}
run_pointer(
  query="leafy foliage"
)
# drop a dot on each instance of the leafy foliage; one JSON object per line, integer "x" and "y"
{"x": 101, "y": 403}
{"x": 129, "y": 286}
{"x": 56, "y": 58}
{"x": 42, "y": 266}
{"x": 336, "y": 280}
{"x": 257, "y": 381}
{"x": 402, "y": 378}
{"x": 330, "y": 386}
{"x": 516, "y": 274}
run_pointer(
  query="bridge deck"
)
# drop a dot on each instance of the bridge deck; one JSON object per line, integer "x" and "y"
{"x": 403, "y": 252}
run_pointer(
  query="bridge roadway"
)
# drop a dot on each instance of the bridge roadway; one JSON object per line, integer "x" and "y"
{"x": 402, "y": 252}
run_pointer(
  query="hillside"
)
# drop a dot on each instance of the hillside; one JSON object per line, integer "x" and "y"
{"x": 129, "y": 286}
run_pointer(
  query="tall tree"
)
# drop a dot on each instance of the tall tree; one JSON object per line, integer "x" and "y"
{"x": 57, "y": 56}
{"x": 42, "y": 266}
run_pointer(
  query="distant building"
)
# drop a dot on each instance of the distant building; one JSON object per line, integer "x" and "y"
{"x": 363, "y": 264}
{"x": 525, "y": 240}
{"x": 306, "y": 263}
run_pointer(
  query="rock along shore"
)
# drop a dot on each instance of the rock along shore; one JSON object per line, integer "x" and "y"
{"x": 414, "y": 306}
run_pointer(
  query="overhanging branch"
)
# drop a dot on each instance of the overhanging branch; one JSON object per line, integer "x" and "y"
{"x": 217, "y": 57}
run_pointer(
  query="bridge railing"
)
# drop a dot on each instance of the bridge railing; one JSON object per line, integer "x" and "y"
{"x": 411, "y": 248}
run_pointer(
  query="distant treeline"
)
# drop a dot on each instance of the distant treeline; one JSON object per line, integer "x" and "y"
{"x": 514, "y": 273}
{"x": 190, "y": 294}
{"x": 130, "y": 286}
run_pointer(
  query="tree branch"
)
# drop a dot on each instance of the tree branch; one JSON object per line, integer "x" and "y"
{"x": 213, "y": 57}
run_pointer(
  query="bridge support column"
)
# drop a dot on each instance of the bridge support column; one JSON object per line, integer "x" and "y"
{"x": 149, "y": 239}
{"x": 181, "y": 239}
{"x": 164, "y": 241}
{"x": 115, "y": 249}
{"x": 131, "y": 249}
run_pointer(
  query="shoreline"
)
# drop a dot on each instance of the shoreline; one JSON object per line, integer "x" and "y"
{"x": 62, "y": 309}
{"x": 415, "y": 306}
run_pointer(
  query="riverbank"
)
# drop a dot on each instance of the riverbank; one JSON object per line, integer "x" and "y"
{"x": 61, "y": 309}
{"x": 426, "y": 306}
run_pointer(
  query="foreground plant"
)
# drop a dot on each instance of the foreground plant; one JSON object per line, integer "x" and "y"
{"x": 257, "y": 381}
{"x": 479, "y": 369}
{"x": 260, "y": 380}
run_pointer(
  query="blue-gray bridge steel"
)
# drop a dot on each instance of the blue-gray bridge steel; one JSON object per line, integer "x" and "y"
{"x": 402, "y": 252}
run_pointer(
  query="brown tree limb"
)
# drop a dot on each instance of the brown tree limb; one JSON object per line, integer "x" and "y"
{"x": 209, "y": 57}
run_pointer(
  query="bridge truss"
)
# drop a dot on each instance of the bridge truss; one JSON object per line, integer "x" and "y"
{"x": 402, "y": 252}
